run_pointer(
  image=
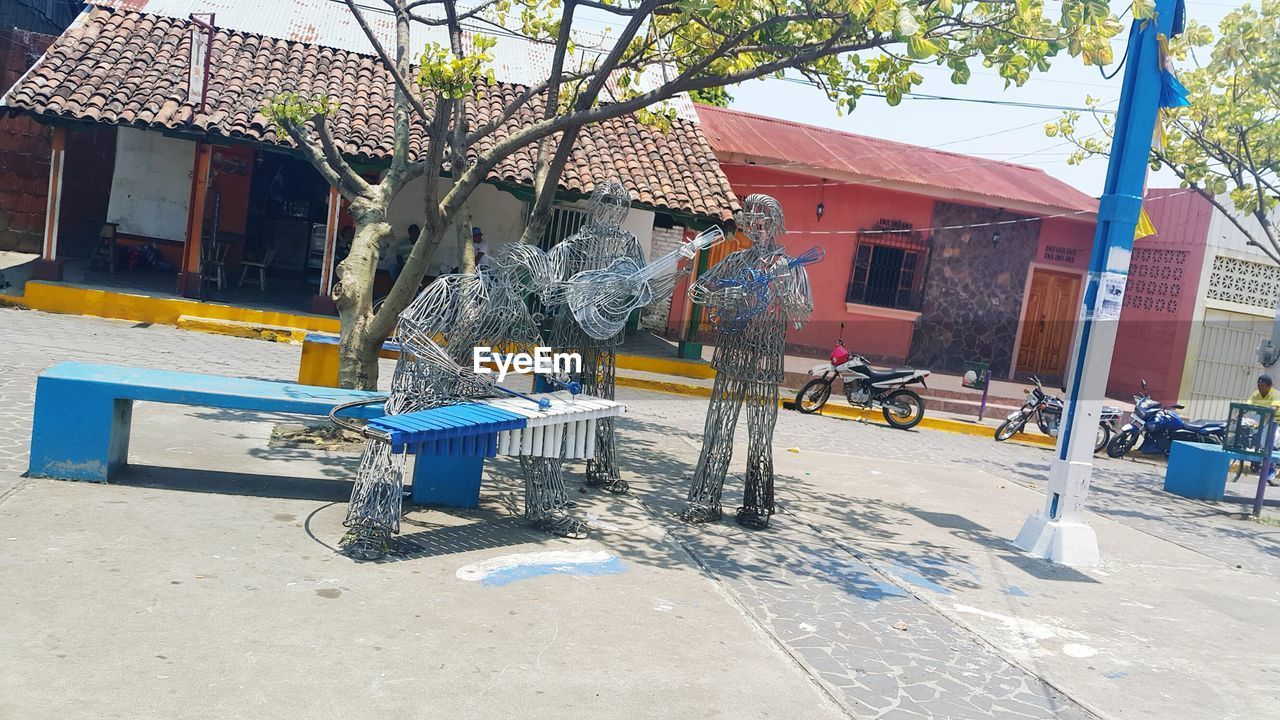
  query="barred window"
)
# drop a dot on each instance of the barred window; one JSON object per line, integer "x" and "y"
{"x": 565, "y": 221}
{"x": 888, "y": 266}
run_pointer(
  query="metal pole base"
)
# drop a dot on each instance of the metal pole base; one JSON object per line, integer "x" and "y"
{"x": 1073, "y": 544}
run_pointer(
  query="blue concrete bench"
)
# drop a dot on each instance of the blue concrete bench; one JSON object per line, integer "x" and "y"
{"x": 1199, "y": 471}
{"x": 84, "y": 410}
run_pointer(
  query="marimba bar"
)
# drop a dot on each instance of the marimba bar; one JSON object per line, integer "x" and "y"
{"x": 452, "y": 442}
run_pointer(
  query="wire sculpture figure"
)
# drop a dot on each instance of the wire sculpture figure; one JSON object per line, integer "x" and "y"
{"x": 437, "y": 334}
{"x": 599, "y": 243}
{"x": 602, "y": 300}
{"x": 751, "y": 296}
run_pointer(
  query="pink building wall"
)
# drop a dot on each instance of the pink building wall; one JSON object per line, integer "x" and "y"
{"x": 1065, "y": 243}
{"x": 1160, "y": 299}
{"x": 882, "y": 334}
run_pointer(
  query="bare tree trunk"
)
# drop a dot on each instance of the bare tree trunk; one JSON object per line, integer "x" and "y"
{"x": 466, "y": 250}
{"x": 358, "y": 344}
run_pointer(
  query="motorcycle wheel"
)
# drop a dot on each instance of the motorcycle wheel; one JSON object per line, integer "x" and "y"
{"x": 1122, "y": 443}
{"x": 813, "y": 396}
{"x": 1010, "y": 427}
{"x": 1103, "y": 438}
{"x": 902, "y": 409}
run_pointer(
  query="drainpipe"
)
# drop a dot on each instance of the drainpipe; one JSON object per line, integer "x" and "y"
{"x": 207, "y": 52}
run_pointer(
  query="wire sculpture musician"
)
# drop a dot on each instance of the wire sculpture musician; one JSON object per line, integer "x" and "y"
{"x": 464, "y": 311}
{"x": 750, "y": 297}
{"x": 600, "y": 242}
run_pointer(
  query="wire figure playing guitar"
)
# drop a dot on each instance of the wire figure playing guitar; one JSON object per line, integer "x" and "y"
{"x": 751, "y": 297}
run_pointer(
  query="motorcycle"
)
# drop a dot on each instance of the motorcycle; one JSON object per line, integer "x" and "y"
{"x": 865, "y": 386}
{"x": 1047, "y": 411}
{"x": 1159, "y": 426}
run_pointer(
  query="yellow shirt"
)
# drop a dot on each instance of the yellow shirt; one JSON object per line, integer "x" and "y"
{"x": 1271, "y": 399}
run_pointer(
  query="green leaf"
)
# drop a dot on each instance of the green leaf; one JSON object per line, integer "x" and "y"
{"x": 919, "y": 48}
{"x": 907, "y": 23}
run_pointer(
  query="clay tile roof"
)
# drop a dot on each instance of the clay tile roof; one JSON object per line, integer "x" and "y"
{"x": 796, "y": 147}
{"x": 130, "y": 68}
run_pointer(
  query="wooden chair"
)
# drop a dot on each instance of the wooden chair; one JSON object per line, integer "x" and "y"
{"x": 213, "y": 263}
{"x": 260, "y": 265}
{"x": 104, "y": 249}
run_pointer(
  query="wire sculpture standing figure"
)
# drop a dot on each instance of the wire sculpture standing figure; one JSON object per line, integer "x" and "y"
{"x": 599, "y": 242}
{"x": 462, "y": 311}
{"x": 750, "y": 298}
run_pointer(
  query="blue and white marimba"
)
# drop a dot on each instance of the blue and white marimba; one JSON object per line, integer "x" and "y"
{"x": 452, "y": 442}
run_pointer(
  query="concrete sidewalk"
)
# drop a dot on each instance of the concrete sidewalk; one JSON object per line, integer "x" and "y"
{"x": 215, "y": 593}
{"x": 204, "y": 584}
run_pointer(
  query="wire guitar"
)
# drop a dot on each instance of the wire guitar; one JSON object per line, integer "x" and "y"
{"x": 742, "y": 297}
{"x": 602, "y": 300}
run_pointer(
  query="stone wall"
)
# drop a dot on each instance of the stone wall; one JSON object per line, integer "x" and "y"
{"x": 665, "y": 240}
{"x": 24, "y": 151}
{"x": 973, "y": 289}
{"x": 25, "y": 147}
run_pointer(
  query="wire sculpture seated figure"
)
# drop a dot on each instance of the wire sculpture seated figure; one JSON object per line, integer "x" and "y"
{"x": 750, "y": 296}
{"x": 599, "y": 242}
{"x": 437, "y": 335}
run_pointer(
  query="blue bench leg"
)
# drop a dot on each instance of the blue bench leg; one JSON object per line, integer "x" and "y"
{"x": 76, "y": 436}
{"x": 449, "y": 480}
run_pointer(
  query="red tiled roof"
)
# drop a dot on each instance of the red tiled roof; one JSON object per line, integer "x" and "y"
{"x": 797, "y": 146}
{"x": 130, "y": 68}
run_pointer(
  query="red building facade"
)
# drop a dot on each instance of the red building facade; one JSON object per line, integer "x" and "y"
{"x": 931, "y": 258}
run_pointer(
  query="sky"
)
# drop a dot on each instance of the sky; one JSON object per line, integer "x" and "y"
{"x": 997, "y": 132}
{"x": 1005, "y": 133}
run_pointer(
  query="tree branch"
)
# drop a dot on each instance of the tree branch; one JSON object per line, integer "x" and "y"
{"x": 436, "y": 22}
{"x": 401, "y": 82}
{"x": 334, "y": 160}
{"x": 1271, "y": 252}
{"x": 542, "y": 195}
{"x": 684, "y": 83}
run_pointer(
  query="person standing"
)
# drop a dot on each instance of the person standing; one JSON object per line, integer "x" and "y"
{"x": 1267, "y": 396}
{"x": 481, "y": 247}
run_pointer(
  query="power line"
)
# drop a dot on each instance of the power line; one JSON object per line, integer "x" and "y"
{"x": 952, "y": 98}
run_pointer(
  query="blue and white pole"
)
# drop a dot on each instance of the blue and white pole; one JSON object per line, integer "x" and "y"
{"x": 1059, "y": 532}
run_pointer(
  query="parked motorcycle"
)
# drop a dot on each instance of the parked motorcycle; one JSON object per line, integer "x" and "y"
{"x": 1047, "y": 411}
{"x": 1159, "y": 426}
{"x": 865, "y": 386}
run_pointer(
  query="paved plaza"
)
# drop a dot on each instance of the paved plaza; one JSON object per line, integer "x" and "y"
{"x": 204, "y": 584}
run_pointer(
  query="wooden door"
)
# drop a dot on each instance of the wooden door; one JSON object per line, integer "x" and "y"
{"x": 1048, "y": 324}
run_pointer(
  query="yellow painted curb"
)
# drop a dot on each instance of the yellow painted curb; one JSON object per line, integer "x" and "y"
{"x": 661, "y": 386}
{"x": 839, "y": 411}
{"x": 12, "y": 301}
{"x": 667, "y": 366}
{"x": 75, "y": 300}
{"x": 235, "y": 328}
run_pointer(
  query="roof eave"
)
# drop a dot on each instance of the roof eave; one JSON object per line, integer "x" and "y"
{"x": 193, "y": 134}
{"x": 933, "y": 191}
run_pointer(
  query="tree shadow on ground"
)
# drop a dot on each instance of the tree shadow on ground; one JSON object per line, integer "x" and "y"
{"x": 662, "y": 464}
{"x": 222, "y": 482}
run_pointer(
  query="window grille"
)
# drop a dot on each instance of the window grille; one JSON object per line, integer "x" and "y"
{"x": 888, "y": 266}
{"x": 1244, "y": 282}
{"x": 1155, "y": 279}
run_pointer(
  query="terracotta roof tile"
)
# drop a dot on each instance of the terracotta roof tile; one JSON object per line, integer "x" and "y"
{"x": 130, "y": 68}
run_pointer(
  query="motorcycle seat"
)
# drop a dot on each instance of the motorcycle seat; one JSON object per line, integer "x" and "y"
{"x": 896, "y": 374}
{"x": 1205, "y": 424}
